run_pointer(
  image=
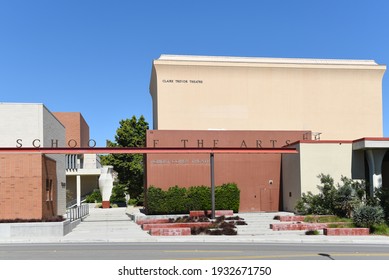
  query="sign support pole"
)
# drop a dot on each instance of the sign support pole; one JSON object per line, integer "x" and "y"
{"x": 212, "y": 164}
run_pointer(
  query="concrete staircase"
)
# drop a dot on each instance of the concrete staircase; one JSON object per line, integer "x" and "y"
{"x": 259, "y": 223}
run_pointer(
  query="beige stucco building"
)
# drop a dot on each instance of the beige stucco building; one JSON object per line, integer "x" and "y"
{"x": 335, "y": 99}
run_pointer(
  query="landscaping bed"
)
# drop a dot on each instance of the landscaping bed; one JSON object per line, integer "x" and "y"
{"x": 196, "y": 225}
{"x": 330, "y": 224}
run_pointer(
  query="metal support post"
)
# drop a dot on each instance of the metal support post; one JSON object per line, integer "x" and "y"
{"x": 212, "y": 164}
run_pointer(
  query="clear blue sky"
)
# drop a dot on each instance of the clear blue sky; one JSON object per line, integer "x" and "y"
{"x": 95, "y": 56}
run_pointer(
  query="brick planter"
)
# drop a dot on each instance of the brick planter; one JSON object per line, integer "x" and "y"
{"x": 175, "y": 225}
{"x": 292, "y": 218}
{"x": 346, "y": 231}
{"x": 170, "y": 231}
{"x": 302, "y": 226}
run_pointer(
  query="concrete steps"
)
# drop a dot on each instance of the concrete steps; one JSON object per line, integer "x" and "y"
{"x": 259, "y": 224}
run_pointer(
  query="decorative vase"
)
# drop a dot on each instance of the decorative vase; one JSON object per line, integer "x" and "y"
{"x": 106, "y": 184}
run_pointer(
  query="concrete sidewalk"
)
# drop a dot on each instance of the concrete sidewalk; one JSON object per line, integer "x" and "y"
{"x": 116, "y": 225}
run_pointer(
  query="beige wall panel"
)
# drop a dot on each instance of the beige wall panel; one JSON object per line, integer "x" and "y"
{"x": 334, "y": 159}
{"x": 340, "y": 101}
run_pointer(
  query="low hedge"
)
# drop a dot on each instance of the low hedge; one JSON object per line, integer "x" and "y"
{"x": 177, "y": 200}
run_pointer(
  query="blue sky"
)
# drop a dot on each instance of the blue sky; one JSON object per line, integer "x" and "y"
{"x": 95, "y": 56}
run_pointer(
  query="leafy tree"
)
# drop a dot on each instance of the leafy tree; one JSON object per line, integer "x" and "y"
{"x": 131, "y": 133}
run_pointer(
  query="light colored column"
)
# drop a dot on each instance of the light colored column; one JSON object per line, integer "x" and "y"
{"x": 78, "y": 190}
{"x": 374, "y": 160}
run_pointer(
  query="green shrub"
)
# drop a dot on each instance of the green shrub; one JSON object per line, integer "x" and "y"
{"x": 140, "y": 199}
{"x": 381, "y": 229}
{"x": 309, "y": 204}
{"x": 118, "y": 194}
{"x": 312, "y": 232}
{"x": 156, "y": 201}
{"x": 94, "y": 197}
{"x": 178, "y": 200}
{"x": 383, "y": 198}
{"x": 346, "y": 200}
{"x": 132, "y": 201}
{"x": 338, "y": 200}
{"x": 199, "y": 198}
{"x": 366, "y": 216}
{"x": 227, "y": 197}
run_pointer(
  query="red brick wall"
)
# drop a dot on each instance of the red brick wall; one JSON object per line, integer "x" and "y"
{"x": 22, "y": 188}
{"x": 258, "y": 176}
{"x": 76, "y": 127}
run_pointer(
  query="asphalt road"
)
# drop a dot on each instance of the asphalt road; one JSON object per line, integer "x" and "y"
{"x": 193, "y": 251}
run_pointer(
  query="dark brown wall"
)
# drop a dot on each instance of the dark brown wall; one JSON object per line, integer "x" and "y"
{"x": 257, "y": 175}
{"x": 49, "y": 187}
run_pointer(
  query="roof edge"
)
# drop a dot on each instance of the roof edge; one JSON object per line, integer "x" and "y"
{"x": 231, "y": 59}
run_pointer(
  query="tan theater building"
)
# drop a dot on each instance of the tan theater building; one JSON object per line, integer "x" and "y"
{"x": 341, "y": 99}
{"x": 327, "y": 106}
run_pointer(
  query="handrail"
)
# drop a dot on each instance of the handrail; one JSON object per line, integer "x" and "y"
{"x": 77, "y": 212}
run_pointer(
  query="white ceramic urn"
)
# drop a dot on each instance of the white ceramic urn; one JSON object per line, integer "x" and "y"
{"x": 106, "y": 184}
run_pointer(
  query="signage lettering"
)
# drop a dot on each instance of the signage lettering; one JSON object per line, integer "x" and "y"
{"x": 201, "y": 143}
{"x": 179, "y": 161}
{"x": 184, "y": 141}
{"x": 54, "y": 143}
{"x": 36, "y": 143}
{"x": 243, "y": 145}
{"x": 72, "y": 143}
{"x": 181, "y": 81}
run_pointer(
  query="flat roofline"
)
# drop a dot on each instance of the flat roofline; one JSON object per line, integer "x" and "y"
{"x": 316, "y": 61}
{"x": 358, "y": 144}
{"x": 372, "y": 139}
{"x": 320, "y": 142}
{"x": 371, "y": 143}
